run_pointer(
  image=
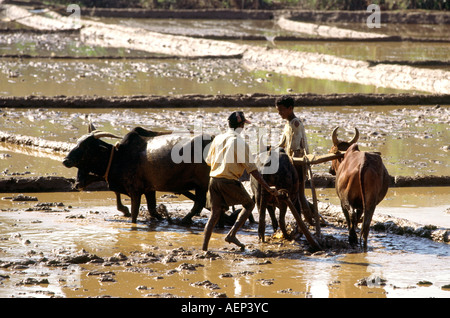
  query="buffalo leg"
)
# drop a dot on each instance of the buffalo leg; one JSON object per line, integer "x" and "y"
{"x": 273, "y": 217}
{"x": 199, "y": 204}
{"x": 135, "y": 205}
{"x": 283, "y": 208}
{"x": 151, "y": 204}
{"x": 122, "y": 208}
{"x": 298, "y": 207}
{"x": 262, "y": 221}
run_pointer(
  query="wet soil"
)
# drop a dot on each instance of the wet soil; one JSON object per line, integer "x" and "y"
{"x": 80, "y": 247}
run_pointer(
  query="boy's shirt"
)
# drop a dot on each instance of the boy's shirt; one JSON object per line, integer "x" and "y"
{"x": 294, "y": 138}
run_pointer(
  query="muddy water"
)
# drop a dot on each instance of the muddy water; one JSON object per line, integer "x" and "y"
{"x": 420, "y": 205}
{"x": 419, "y": 31}
{"x": 156, "y": 77}
{"x": 375, "y": 51}
{"x": 155, "y": 257}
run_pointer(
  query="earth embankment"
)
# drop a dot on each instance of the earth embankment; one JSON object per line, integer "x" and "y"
{"x": 237, "y": 100}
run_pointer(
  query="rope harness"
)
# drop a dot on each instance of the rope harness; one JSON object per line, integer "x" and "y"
{"x": 111, "y": 156}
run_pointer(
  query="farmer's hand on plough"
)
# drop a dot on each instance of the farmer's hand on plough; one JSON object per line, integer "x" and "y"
{"x": 273, "y": 191}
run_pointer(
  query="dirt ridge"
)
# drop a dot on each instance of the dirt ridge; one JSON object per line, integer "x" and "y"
{"x": 332, "y": 16}
{"x": 235, "y": 100}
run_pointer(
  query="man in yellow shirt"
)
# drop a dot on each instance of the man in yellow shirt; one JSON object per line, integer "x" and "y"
{"x": 229, "y": 156}
{"x": 295, "y": 144}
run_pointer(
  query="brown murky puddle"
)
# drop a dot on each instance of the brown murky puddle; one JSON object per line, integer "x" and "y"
{"x": 163, "y": 260}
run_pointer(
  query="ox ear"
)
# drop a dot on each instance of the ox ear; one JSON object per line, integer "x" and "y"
{"x": 355, "y": 137}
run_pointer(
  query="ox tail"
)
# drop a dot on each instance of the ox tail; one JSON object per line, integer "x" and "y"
{"x": 362, "y": 168}
{"x": 367, "y": 204}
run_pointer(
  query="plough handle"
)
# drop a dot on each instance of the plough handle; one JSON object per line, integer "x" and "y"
{"x": 283, "y": 195}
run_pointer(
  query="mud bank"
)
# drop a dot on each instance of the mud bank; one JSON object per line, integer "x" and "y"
{"x": 301, "y": 64}
{"x": 25, "y": 17}
{"x": 327, "y": 67}
{"x": 323, "y": 30}
{"x": 410, "y": 17}
{"x": 201, "y": 101}
{"x": 400, "y": 17}
{"x": 37, "y": 143}
{"x": 44, "y": 184}
{"x": 210, "y": 14}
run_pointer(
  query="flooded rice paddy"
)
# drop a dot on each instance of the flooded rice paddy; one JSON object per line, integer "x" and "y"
{"x": 55, "y": 75}
{"x": 77, "y": 244}
{"x": 413, "y": 140}
{"x": 82, "y": 247}
{"x": 43, "y": 77}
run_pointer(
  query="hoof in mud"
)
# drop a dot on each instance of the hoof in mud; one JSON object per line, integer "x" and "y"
{"x": 353, "y": 239}
{"x": 186, "y": 221}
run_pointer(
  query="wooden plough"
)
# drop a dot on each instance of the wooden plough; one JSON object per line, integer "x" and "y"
{"x": 307, "y": 161}
{"x": 316, "y": 159}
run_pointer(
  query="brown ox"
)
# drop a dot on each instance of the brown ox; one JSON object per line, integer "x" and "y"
{"x": 361, "y": 183}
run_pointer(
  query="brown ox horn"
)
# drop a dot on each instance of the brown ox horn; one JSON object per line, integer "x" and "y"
{"x": 334, "y": 136}
{"x": 355, "y": 137}
{"x": 102, "y": 134}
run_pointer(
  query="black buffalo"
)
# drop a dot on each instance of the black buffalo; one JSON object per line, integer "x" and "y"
{"x": 285, "y": 178}
{"x": 141, "y": 164}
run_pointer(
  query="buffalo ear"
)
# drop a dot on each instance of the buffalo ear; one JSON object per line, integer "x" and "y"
{"x": 91, "y": 127}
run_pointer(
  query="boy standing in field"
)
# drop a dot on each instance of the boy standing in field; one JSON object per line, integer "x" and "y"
{"x": 295, "y": 144}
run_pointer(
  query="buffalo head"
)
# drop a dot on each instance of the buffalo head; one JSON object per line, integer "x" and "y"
{"x": 90, "y": 156}
{"x": 339, "y": 145}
